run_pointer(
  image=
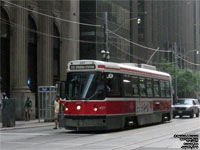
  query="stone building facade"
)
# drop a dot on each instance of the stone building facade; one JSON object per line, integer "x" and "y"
{"x": 38, "y": 38}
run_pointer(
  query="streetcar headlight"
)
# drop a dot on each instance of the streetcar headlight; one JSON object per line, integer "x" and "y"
{"x": 78, "y": 107}
{"x": 95, "y": 108}
{"x": 66, "y": 109}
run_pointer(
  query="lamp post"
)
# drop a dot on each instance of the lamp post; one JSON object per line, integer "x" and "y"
{"x": 105, "y": 53}
{"x": 176, "y": 65}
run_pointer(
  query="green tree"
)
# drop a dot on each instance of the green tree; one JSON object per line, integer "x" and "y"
{"x": 188, "y": 81}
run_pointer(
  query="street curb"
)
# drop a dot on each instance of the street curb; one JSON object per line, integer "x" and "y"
{"x": 27, "y": 126}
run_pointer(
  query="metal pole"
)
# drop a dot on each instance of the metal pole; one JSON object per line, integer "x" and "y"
{"x": 106, "y": 31}
{"x": 176, "y": 65}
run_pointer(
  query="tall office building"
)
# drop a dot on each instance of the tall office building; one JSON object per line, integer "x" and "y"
{"x": 118, "y": 21}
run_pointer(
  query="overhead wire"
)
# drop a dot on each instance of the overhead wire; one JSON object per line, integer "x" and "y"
{"x": 126, "y": 52}
{"x": 43, "y": 14}
{"x": 139, "y": 45}
{"x": 69, "y": 21}
{"x": 85, "y": 24}
{"x": 42, "y": 33}
{"x": 139, "y": 58}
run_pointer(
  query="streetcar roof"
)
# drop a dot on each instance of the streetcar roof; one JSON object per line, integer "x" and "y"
{"x": 114, "y": 67}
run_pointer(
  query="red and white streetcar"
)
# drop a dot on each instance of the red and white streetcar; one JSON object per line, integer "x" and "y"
{"x": 104, "y": 96}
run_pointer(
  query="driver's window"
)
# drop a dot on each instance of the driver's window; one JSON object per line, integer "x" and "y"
{"x": 113, "y": 85}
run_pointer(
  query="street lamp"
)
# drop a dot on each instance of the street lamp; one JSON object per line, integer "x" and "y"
{"x": 138, "y": 22}
{"x": 197, "y": 52}
{"x": 105, "y": 55}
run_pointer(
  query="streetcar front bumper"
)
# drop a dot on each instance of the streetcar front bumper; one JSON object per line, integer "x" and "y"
{"x": 83, "y": 123}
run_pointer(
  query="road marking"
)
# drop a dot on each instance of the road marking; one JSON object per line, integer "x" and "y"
{"x": 27, "y": 143}
{"x": 22, "y": 134}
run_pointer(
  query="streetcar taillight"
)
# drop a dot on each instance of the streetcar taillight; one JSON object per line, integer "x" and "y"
{"x": 101, "y": 66}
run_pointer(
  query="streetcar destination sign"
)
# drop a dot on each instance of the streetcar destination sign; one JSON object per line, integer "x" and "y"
{"x": 82, "y": 67}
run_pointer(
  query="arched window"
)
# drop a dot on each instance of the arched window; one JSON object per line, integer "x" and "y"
{"x": 32, "y": 55}
{"x": 5, "y": 52}
{"x": 56, "y": 55}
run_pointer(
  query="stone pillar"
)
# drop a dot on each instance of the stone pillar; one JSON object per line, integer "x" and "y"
{"x": 69, "y": 48}
{"x": 0, "y": 54}
{"x": 45, "y": 45}
{"x": 19, "y": 70}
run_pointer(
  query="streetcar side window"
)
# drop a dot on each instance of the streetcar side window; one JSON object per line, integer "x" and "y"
{"x": 127, "y": 86}
{"x": 142, "y": 87}
{"x": 149, "y": 88}
{"x": 135, "y": 87}
{"x": 162, "y": 89}
{"x": 113, "y": 85}
{"x": 156, "y": 88}
{"x": 168, "y": 90}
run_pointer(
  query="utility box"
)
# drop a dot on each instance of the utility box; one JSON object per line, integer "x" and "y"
{"x": 8, "y": 112}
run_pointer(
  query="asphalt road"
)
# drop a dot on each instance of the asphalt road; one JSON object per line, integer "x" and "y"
{"x": 153, "y": 137}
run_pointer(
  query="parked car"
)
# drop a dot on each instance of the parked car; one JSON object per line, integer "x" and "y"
{"x": 186, "y": 106}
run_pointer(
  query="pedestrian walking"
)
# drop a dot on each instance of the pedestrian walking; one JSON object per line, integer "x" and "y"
{"x": 28, "y": 107}
{"x": 4, "y": 96}
{"x": 56, "y": 111}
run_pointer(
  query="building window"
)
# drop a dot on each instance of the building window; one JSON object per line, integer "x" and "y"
{"x": 32, "y": 55}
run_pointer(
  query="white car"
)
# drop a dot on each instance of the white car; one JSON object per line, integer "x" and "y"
{"x": 186, "y": 106}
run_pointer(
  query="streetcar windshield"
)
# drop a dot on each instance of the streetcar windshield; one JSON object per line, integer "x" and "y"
{"x": 85, "y": 86}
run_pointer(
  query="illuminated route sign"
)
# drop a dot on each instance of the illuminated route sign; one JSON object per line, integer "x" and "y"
{"x": 82, "y": 67}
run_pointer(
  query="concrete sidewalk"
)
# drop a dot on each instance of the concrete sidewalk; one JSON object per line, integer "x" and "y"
{"x": 27, "y": 124}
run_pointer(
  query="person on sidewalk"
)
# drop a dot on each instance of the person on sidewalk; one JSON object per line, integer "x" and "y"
{"x": 56, "y": 110}
{"x": 28, "y": 107}
{"x": 4, "y": 96}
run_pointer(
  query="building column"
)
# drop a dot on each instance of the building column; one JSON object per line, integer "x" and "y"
{"x": 19, "y": 70}
{"x": 69, "y": 48}
{"x": 45, "y": 46}
{"x": 0, "y": 57}
{"x": 19, "y": 50}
